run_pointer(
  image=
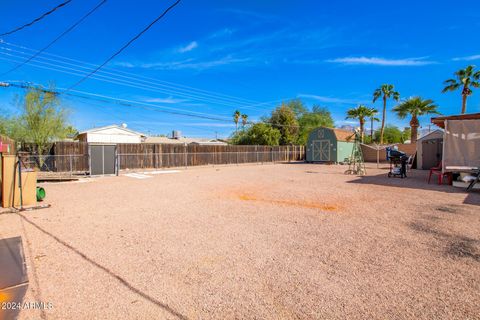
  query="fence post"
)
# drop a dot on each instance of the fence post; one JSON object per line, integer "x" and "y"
{"x": 273, "y": 161}
{"x": 70, "y": 156}
{"x": 185, "y": 154}
{"x": 118, "y": 162}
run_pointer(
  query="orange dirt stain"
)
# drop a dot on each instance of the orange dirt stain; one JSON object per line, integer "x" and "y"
{"x": 292, "y": 203}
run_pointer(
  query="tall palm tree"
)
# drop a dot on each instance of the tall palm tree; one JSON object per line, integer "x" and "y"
{"x": 465, "y": 79}
{"x": 244, "y": 120}
{"x": 415, "y": 107}
{"x": 373, "y": 113}
{"x": 385, "y": 91}
{"x": 236, "y": 118}
{"x": 361, "y": 113}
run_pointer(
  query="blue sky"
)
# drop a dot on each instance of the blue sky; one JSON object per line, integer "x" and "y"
{"x": 212, "y": 57}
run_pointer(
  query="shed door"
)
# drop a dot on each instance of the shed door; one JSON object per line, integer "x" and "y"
{"x": 431, "y": 153}
{"x": 102, "y": 159}
{"x": 321, "y": 150}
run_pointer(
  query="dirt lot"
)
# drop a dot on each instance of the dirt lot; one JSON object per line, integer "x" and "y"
{"x": 267, "y": 242}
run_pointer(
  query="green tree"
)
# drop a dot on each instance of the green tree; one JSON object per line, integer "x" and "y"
{"x": 391, "y": 134}
{"x": 361, "y": 113}
{"x": 465, "y": 80}
{"x": 385, "y": 91}
{"x": 318, "y": 117}
{"x": 71, "y": 131}
{"x": 244, "y": 120}
{"x": 298, "y": 107}
{"x": 373, "y": 118}
{"x": 258, "y": 134}
{"x": 406, "y": 134}
{"x": 415, "y": 107}
{"x": 43, "y": 119}
{"x": 41, "y": 122}
{"x": 236, "y": 118}
{"x": 284, "y": 119}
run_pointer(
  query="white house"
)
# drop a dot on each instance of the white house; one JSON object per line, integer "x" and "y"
{"x": 111, "y": 135}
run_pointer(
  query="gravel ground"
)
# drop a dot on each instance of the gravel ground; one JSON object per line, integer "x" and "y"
{"x": 292, "y": 241}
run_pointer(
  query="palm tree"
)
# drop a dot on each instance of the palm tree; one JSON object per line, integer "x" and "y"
{"x": 415, "y": 107}
{"x": 373, "y": 113}
{"x": 466, "y": 78}
{"x": 361, "y": 113}
{"x": 236, "y": 118}
{"x": 244, "y": 120}
{"x": 386, "y": 91}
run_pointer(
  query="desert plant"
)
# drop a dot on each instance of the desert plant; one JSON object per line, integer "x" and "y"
{"x": 361, "y": 113}
{"x": 465, "y": 80}
{"x": 385, "y": 91}
{"x": 415, "y": 107}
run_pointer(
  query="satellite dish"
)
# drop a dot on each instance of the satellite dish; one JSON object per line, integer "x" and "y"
{"x": 124, "y": 125}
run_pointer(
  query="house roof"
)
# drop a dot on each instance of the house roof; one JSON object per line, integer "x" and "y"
{"x": 112, "y": 127}
{"x": 167, "y": 140}
{"x": 425, "y": 136}
{"x": 343, "y": 135}
{"x": 440, "y": 121}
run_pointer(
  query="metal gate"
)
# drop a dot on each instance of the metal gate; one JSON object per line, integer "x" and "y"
{"x": 102, "y": 159}
{"x": 431, "y": 153}
{"x": 321, "y": 150}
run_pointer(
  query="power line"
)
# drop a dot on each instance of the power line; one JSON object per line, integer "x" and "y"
{"x": 124, "y": 102}
{"x": 129, "y": 103}
{"x": 175, "y": 88}
{"x": 36, "y": 19}
{"x": 125, "y": 46}
{"x": 57, "y": 66}
{"x": 57, "y": 38}
{"x": 105, "y": 80}
{"x": 101, "y": 77}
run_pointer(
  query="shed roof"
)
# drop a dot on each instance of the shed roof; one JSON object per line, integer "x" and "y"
{"x": 431, "y": 134}
{"x": 440, "y": 121}
{"x": 343, "y": 135}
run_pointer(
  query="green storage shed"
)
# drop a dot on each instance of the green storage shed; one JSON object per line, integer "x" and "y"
{"x": 329, "y": 145}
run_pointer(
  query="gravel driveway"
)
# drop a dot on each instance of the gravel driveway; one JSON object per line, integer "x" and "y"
{"x": 289, "y": 241}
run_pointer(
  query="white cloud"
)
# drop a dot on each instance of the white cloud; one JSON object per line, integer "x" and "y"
{"x": 168, "y": 100}
{"x": 225, "y": 32}
{"x": 329, "y": 99}
{"x": 467, "y": 58}
{"x": 189, "y": 47}
{"x": 382, "y": 61}
{"x": 187, "y": 64}
{"x": 124, "y": 64}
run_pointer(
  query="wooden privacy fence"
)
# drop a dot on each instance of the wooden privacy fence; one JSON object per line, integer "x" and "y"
{"x": 132, "y": 156}
{"x": 370, "y": 151}
{"x": 74, "y": 156}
